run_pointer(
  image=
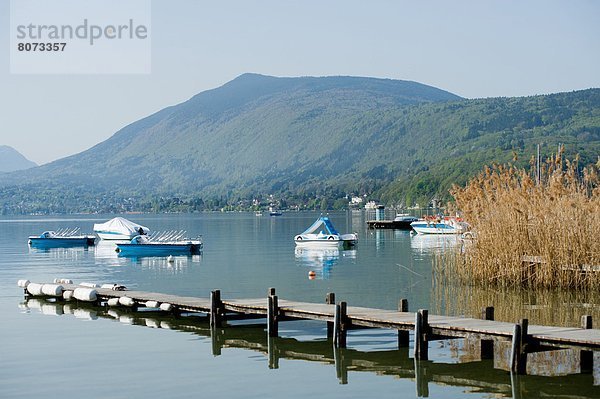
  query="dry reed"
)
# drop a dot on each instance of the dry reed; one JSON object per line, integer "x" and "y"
{"x": 537, "y": 228}
{"x": 551, "y": 307}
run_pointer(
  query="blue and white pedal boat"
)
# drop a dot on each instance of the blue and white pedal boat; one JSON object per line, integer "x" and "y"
{"x": 327, "y": 235}
{"x": 141, "y": 246}
{"x": 61, "y": 238}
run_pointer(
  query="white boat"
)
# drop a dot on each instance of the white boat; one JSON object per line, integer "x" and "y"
{"x": 166, "y": 244}
{"x": 439, "y": 226}
{"x": 119, "y": 229}
{"x": 327, "y": 236}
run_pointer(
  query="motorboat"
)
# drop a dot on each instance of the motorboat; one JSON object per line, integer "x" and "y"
{"x": 274, "y": 212}
{"x": 119, "y": 229}
{"x": 439, "y": 225}
{"x": 322, "y": 233}
{"x": 405, "y": 218}
{"x": 62, "y": 238}
{"x": 161, "y": 244}
{"x": 402, "y": 221}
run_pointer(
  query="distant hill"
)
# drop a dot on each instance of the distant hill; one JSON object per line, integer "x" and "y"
{"x": 12, "y": 160}
{"x": 311, "y": 137}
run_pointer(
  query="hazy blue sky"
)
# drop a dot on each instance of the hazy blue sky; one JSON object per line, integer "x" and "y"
{"x": 471, "y": 48}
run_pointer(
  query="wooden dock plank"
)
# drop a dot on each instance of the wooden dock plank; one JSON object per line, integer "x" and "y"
{"x": 358, "y": 316}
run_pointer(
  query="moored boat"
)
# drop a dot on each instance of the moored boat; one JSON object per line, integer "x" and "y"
{"x": 439, "y": 225}
{"x": 142, "y": 246}
{"x": 119, "y": 229}
{"x": 327, "y": 236}
{"x": 402, "y": 221}
{"x": 61, "y": 238}
{"x": 274, "y": 212}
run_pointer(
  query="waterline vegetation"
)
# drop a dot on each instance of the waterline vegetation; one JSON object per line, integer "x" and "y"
{"x": 535, "y": 227}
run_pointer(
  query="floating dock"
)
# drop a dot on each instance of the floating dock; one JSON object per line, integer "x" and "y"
{"x": 523, "y": 338}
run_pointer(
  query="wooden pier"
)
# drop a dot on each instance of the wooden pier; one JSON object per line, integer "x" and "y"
{"x": 341, "y": 318}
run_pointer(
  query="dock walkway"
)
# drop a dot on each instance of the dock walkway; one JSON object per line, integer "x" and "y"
{"x": 341, "y": 318}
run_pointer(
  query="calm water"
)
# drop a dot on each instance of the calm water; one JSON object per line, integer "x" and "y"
{"x": 48, "y": 348}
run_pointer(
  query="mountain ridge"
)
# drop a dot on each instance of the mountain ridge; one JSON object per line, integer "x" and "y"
{"x": 12, "y": 160}
{"x": 329, "y": 136}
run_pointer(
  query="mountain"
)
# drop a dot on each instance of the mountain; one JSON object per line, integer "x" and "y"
{"x": 308, "y": 137}
{"x": 12, "y": 160}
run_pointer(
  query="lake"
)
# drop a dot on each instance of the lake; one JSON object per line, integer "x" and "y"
{"x": 50, "y": 349}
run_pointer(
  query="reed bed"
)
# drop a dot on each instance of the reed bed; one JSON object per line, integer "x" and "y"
{"x": 542, "y": 306}
{"x": 535, "y": 228}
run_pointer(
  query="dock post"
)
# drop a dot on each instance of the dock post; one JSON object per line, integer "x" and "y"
{"x": 273, "y": 352}
{"x": 518, "y": 354}
{"x": 272, "y": 312}
{"x": 403, "y": 335}
{"x": 271, "y": 291}
{"x": 421, "y": 379}
{"x": 421, "y": 335}
{"x": 487, "y": 345}
{"x": 341, "y": 365}
{"x": 339, "y": 325}
{"x": 587, "y": 357}
{"x": 216, "y": 338}
{"x": 330, "y": 300}
{"x": 215, "y": 308}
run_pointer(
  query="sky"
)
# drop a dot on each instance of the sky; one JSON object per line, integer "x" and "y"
{"x": 474, "y": 49}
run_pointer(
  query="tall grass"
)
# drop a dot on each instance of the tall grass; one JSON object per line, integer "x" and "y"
{"x": 550, "y": 307}
{"x": 537, "y": 228}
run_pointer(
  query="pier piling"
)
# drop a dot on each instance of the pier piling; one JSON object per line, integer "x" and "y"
{"x": 586, "y": 357}
{"x": 403, "y": 335}
{"x": 421, "y": 350}
{"x": 215, "y": 308}
{"x": 330, "y": 300}
{"x": 487, "y": 345}
{"x": 339, "y": 325}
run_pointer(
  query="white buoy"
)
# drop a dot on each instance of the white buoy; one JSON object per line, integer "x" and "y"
{"x": 167, "y": 307}
{"x": 152, "y": 304}
{"x": 126, "y": 301}
{"x": 34, "y": 289}
{"x": 85, "y": 294}
{"x": 113, "y": 302}
{"x": 52, "y": 290}
{"x": 89, "y": 285}
{"x": 67, "y": 295}
{"x": 108, "y": 286}
{"x": 170, "y": 259}
{"x": 23, "y": 283}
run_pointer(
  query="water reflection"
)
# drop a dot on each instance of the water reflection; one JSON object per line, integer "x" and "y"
{"x": 543, "y": 307}
{"x": 320, "y": 260}
{"x": 427, "y": 244}
{"x": 171, "y": 265}
{"x": 61, "y": 253}
{"x": 465, "y": 368}
{"x": 106, "y": 249}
